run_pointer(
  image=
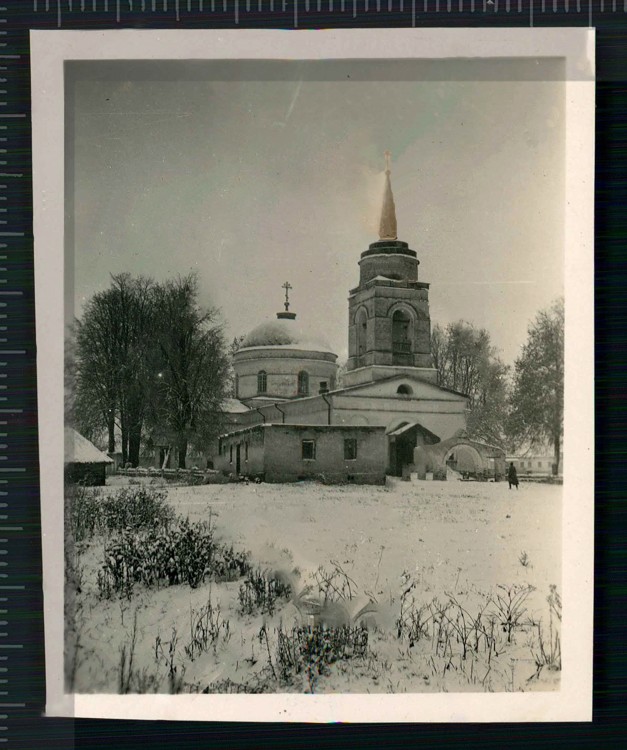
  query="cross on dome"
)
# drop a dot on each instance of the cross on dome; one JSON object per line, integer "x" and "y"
{"x": 286, "y": 315}
{"x": 287, "y": 286}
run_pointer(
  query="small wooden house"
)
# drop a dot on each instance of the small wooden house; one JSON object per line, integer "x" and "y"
{"x": 83, "y": 462}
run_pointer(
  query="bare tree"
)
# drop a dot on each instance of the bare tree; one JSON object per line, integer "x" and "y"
{"x": 537, "y": 403}
{"x": 191, "y": 366}
{"x": 467, "y": 362}
{"x": 112, "y": 341}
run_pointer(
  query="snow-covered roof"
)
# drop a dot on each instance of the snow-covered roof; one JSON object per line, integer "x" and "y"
{"x": 285, "y": 333}
{"x": 410, "y": 426}
{"x": 234, "y": 406}
{"x": 79, "y": 450}
{"x": 384, "y": 278}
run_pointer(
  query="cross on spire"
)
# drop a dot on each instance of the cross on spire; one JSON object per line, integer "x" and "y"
{"x": 388, "y": 156}
{"x": 287, "y": 286}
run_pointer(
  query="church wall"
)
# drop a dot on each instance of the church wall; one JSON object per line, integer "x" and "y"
{"x": 418, "y": 381}
{"x": 392, "y": 265}
{"x": 282, "y": 375}
{"x": 284, "y": 461}
{"x": 443, "y": 418}
{"x": 299, "y": 411}
{"x": 369, "y": 375}
{"x": 307, "y": 411}
{"x": 382, "y": 334}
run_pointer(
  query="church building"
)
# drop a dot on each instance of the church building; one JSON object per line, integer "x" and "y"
{"x": 388, "y": 409}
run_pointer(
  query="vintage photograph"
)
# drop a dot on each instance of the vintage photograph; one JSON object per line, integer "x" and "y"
{"x": 314, "y": 366}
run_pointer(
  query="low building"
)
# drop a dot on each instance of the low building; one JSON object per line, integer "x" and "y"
{"x": 83, "y": 462}
{"x": 293, "y": 452}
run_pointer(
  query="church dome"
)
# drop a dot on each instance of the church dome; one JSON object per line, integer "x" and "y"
{"x": 279, "y": 361}
{"x": 285, "y": 333}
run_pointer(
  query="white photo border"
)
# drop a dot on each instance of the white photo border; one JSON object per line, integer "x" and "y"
{"x": 49, "y": 51}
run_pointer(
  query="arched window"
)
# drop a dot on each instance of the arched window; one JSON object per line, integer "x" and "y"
{"x": 236, "y": 385}
{"x": 401, "y": 332}
{"x": 303, "y": 383}
{"x": 361, "y": 323}
{"x": 262, "y": 382}
{"x": 404, "y": 390}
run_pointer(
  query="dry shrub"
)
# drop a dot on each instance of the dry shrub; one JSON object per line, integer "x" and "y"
{"x": 261, "y": 591}
{"x": 181, "y": 552}
{"x": 311, "y": 650}
{"x": 207, "y": 629}
{"x": 89, "y": 512}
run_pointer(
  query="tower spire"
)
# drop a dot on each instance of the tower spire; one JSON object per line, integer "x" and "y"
{"x": 387, "y": 225}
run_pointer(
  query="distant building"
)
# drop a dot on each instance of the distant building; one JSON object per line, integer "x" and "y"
{"x": 83, "y": 462}
{"x": 287, "y": 377}
{"x": 536, "y": 462}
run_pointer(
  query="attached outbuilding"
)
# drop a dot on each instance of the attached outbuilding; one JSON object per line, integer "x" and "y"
{"x": 296, "y": 452}
{"x": 83, "y": 462}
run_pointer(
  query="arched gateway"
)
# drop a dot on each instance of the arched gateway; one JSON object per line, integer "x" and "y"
{"x": 470, "y": 458}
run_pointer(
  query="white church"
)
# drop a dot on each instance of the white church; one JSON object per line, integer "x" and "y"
{"x": 291, "y": 419}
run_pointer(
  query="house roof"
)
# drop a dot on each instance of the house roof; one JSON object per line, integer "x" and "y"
{"x": 79, "y": 450}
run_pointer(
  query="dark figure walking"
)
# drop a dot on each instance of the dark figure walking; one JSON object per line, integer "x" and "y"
{"x": 512, "y": 476}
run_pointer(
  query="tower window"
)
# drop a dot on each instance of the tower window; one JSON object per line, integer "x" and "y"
{"x": 262, "y": 382}
{"x": 309, "y": 450}
{"x": 324, "y": 386}
{"x": 361, "y": 325}
{"x": 303, "y": 383}
{"x": 236, "y": 385}
{"x": 401, "y": 338}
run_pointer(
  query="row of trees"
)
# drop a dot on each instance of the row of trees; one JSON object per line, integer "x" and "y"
{"x": 146, "y": 361}
{"x": 523, "y": 407}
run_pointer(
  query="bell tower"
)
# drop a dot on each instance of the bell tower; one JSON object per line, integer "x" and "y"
{"x": 389, "y": 327}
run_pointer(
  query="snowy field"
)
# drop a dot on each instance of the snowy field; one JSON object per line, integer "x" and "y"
{"x": 465, "y": 566}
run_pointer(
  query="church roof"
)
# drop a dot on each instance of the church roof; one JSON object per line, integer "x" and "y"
{"x": 404, "y": 376}
{"x": 234, "y": 406}
{"x": 285, "y": 333}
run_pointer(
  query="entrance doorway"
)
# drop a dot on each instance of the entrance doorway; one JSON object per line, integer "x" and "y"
{"x": 402, "y": 441}
{"x": 401, "y": 454}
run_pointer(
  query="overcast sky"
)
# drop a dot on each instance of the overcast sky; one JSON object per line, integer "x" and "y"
{"x": 182, "y": 167}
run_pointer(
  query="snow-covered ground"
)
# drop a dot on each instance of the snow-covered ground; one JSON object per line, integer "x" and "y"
{"x": 448, "y": 540}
